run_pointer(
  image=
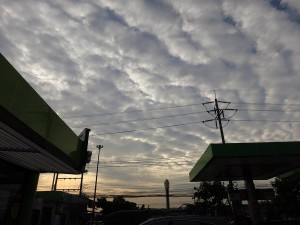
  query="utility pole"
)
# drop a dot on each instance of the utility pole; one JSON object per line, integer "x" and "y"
{"x": 95, "y": 189}
{"x": 219, "y": 120}
{"x": 219, "y": 116}
{"x": 167, "y": 186}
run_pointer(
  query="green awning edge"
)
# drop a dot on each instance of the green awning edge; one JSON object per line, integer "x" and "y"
{"x": 245, "y": 150}
{"x": 291, "y": 174}
{"x": 256, "y": 149}
{"x": 201, "y": 163}
{"x": 25, "y": 104}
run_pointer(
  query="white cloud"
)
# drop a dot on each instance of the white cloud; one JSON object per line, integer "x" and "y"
{"x": 87, "y": 58}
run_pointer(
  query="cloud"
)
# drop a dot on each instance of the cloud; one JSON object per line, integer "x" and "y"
{"x": 113, "y": 66}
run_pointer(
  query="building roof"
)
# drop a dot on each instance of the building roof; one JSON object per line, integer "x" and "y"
{"x": 265, "y": 160}
{"x": 59, "y": 196}
{"x": 32, "y": 135}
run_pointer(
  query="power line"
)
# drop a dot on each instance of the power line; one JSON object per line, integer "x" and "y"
{"x": 144, "y": 119}
{"x": 160, "y": 159}
{"x": 109, "y": 96}
{"x": 151, "y": 191}
{"x": 165, "y": 93}
{"x": 125, "y": 187}
{"x": 140, "y": 110}
{"x": 253, "y": 91}
{"x": 174, "y": 186}
{"x": 269, "y": 110}
{"x": 183, "y": 124}
{"x": 265, "y": 103}
{"x": 273, "y": 121}
{"x": 169, "y": 107}
{"x": 150, "y": 128}
{"x": 146, "y": 195}
{"x": 146, "y": 163}
{"x": 142, "y": 165}
{"x": 149, "y": 159}
{"x": 158, "y": 163}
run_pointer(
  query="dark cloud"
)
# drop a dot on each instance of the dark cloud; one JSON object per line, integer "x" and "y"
{"x": 291, "y": 12}
{"x": 102, "y": 18}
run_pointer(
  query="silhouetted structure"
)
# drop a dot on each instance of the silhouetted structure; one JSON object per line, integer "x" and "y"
{"x": 248, "y": 162}
{"x": 33, "y": 140}
{"x": 56, "y": 207}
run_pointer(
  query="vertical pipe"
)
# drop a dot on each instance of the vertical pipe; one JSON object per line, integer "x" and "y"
{"x": 29, "y": 190}
{"x": 81, "y": 182}
{"x": 55, "y": 184}
{"x": 53, "y": 181}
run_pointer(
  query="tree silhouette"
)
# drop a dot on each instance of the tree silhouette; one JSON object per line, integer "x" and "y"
{"x": 287, "y": 198}
{"x": 208, "y": 197}
{"x": 118, "y": 203}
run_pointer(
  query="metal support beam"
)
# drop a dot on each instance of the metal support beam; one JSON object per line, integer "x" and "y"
{"x": 254, "y": 209}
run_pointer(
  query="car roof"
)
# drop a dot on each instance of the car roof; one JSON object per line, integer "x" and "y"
{"x": 206, "y": 219}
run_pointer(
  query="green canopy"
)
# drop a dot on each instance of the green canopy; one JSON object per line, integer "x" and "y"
{"x": 32, "y": 135}
{"x": 265, "y": 160}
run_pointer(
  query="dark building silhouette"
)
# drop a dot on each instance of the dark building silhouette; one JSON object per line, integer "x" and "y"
{"x": 33, "y": 140}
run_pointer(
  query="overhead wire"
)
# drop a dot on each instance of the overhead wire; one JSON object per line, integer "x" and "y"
{"x": 171, "y": 107}
{"x": 170, "y": 116}
{"x": 149, "y": 128}
{"x": 159, "y": 160}
{"x": 142, "y": 119}
{"x": 131, "y": 111}
{"x": 265, "y": 103}
{"x": 142, "y": 186}
{"x": 273, "y": 121}
{"x": 124, "y": 159}
{"x": 139, "y": 164}
{"x": 197, "y": 122}
{"x": 106, "y": 97}
{"x": 142, "y": 110}
{"x": 269, "y": 110}
{"x": 256, "y": 91}
{"x": 236, "y": 120}
{"x": 158, "y": 192}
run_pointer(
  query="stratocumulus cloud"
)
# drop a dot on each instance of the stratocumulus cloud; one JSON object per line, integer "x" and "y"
{"x": 123, "y": 68}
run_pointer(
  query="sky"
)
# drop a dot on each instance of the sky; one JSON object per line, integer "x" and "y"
{"x": 137, "y": 72}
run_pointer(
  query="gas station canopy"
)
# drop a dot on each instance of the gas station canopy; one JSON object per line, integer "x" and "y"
{"x": 265, "y": 160}
{"x": 32, "y": 135}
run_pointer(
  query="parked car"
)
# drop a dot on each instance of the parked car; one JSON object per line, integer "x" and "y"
{"x": 126, "y": 217}
{"x": 187, "y": 220}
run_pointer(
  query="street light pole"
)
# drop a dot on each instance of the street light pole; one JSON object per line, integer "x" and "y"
{"x": 167, "y": 186}
{"x": 95, "y": 190}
